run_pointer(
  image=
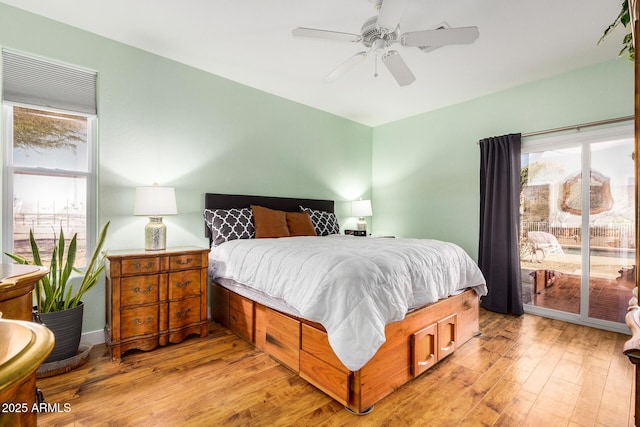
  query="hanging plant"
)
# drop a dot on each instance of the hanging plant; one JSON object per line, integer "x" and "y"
{"x": 623, "y": 19}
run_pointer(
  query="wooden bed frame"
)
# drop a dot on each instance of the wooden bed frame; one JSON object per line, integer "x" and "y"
{"x": 412, "y": 346}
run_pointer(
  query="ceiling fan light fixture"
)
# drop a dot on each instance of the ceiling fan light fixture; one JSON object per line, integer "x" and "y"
{"x": 371, "y": 32}
{"x": 379, "y": 45}
{"x": 379, "y": 32}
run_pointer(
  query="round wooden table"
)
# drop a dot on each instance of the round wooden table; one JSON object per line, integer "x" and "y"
{"x": 16, "y": 284}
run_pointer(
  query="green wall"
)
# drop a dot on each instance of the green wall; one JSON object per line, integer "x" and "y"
{"x": 426, "y": 169}
{"x": 161, "y": 121}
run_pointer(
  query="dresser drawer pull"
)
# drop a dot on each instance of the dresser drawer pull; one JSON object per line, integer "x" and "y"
{"x": 183, "y": 313}
{"x": 184, "y": 262}
{"x": 183, "y": 285}
{"x": 143, "y": 291}
{"x": 140, "y": 322}
{"x": 148, "y": 265}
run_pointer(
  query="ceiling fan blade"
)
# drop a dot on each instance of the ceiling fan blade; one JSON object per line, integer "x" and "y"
{"x": 390, "y": 13}
{"x": 345, "y": 66}
{"x": 398, "y": 68}
{"x": 441, "y": 37}
{"x": 326, "y": 34}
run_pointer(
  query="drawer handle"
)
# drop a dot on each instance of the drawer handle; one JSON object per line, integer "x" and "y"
{"x": 140, "y": 322}
{"x": 451, "y": 344}
{"x": 144, "y": 267}
{"x": 426, "y": 362}
{"x": 183, "y": 284}
{"x": 183, "y": 313}
{"x": 184, "y": 262}
{"x": 143, "y": 291}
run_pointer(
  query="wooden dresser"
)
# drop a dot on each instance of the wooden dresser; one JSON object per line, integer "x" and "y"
{"x": 155, "y": 297}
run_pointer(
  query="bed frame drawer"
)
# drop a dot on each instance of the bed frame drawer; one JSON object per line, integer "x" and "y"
{"x": 279, "y": 336}
{"x": 424, "y": 349}
{"x": 316, "y": 342}
{"x": 329, "y": 379}
{"x": 447, "y": 336}
{"x": 241, "y": 316}
{"x": 433, "y": 343}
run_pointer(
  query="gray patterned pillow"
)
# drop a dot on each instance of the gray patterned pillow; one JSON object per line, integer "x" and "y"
{"x": 229, "y": 224}
{"x": 324, "y": 222}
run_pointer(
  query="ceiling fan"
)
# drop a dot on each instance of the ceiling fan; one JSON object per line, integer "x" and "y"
{"x": 379, "y": 32}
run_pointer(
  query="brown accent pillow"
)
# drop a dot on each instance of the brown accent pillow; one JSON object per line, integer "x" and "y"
{"x": 299, "y": 224}
{"x": 269, "y": 222}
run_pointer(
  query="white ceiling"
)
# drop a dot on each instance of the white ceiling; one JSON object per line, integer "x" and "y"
{"x": 249, "y": 41}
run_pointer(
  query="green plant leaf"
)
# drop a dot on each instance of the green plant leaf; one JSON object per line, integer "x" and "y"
{"x": 55, "y": 291}
{"x": 95, "y": 267}
{"x": 17, "y": 258}
{"x": 624, "y": 19}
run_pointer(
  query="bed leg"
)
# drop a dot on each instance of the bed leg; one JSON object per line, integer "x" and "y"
{"x": 365, "y": 412}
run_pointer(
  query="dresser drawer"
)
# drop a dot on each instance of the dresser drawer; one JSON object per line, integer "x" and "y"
{"x": 181, "y": 262}
{"x": 184, "y": 283}
{"x": 138, "y": 321}
{"x": 184, "y": 312}
{"x": 139, "y": 290}
{"x": 140, "y": 265}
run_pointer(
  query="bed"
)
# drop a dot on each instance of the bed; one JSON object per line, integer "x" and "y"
{"x": 348, "y": 322}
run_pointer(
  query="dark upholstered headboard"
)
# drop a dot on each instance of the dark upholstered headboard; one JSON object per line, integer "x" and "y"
{"x": 289, "y": 204}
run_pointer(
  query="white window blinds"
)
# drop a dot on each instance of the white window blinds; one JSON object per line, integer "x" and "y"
{"x": 34, "y": 81}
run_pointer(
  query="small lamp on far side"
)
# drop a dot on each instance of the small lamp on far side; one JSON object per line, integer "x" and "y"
{"x": 361, "y": 208}
{"x": 155, "y": 202}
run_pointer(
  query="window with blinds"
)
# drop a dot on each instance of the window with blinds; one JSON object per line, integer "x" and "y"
{"x": 49, "y": 113}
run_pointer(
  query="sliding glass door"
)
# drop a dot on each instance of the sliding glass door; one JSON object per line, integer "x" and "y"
{"x": 577, "y": 248}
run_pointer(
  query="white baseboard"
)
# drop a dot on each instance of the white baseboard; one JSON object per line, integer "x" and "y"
{"x": 93, "y": 337}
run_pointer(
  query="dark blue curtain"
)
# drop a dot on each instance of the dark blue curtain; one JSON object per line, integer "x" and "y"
{"x": 499, "y": 252}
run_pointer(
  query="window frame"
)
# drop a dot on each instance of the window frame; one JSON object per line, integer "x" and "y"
{"x": 584, "y": 140}
{"x": 9, "y": 170}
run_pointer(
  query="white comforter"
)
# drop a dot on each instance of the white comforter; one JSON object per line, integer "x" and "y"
{"x": 353, "y": 286}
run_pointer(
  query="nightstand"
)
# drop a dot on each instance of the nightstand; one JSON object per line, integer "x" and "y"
{"x": 154, "y": 298}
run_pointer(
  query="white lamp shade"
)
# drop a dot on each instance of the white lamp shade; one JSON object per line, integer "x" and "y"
{"x": 155, "y": 201}
{"x": 361, "y": 208}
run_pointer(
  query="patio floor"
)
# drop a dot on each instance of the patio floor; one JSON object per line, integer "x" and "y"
{"x": 610, "y": 285}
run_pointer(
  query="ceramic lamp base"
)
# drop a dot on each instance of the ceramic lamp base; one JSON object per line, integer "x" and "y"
{"x": 155, "y": 234}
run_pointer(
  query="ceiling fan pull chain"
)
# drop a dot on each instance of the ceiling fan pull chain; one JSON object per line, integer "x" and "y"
{"x": 375, "y": 65}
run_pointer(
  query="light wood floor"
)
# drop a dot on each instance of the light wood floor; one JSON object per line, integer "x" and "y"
{"x": 522, "y": 371}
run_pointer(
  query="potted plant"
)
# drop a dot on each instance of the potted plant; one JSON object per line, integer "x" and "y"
{"x": 624, "y": 19}
{"x": 58, "y": 304}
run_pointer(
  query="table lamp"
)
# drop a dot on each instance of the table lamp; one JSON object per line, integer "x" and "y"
{"x": 361, "y": 208}
{"x": 155, "y": 202}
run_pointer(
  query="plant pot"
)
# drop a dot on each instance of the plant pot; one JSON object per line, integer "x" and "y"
{"x": 66, "y": 326}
